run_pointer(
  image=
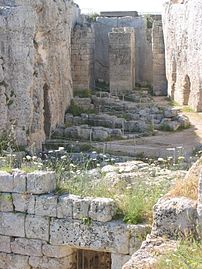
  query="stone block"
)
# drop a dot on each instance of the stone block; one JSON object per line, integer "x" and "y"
{"x": 174, "y": 217}
{"x": 56, "y": 251}
{"x": 119, "y": 260}
{"x": 5, "y": 244}
{"x": 41, "y": 182}
{"x": 110, "y": 236}
{"x": 6, "y": 203}
{"x": 29, "y": 247}
{"x": 24, "y": 202}
{"x": 65, "y": 206}
{"x": 138, "y": 234}
{"x": 46, "y": 205}
{"x": 13, "y": 261}
{"x": 19, "y": 182}
{"x": 6, "y": 182}
{"x": 81, "y": 207}
{"x": 53, "y": 263}
{"x": 12, "y": 224}
{"x": 37, "y": 227}
{"x": 102, "y": 209}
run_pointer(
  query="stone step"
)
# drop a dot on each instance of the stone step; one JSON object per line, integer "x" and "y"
{"x": 133, "y": 123}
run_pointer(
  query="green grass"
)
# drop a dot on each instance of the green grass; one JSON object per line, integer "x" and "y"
{"x": 76, "y": 110}
{"x": 187, "y": 256}
{"x": 172, "y": 102}
{"x": 187, "y": 109}
{"x": 84, "y": 93}
{"x": 134, "y": 205}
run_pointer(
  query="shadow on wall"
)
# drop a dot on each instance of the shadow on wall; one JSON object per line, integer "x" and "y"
{"x": 47, "y": 113}
{"x": 186, "y": 87}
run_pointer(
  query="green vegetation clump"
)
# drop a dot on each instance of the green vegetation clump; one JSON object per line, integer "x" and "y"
{"x": 76, "y": 110}
{"x": 187, "y": 256}
{"x": 84, "y": 93}
{"x": 134, "y": 204}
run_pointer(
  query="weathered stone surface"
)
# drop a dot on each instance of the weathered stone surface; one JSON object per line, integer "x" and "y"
{"x": 143, "y": 46}
{"x": 37, "y": 227}
{"x": 138, "y": 233}
{"x": 41, "y": 182}
{"x": 182, "y": 21}
{"x": 56, "y": 251}
{"x": 35, "y": 93}
{"x": 6, "y": 182}
{"x": 29, "y": 247}
{"x": 112, "y": 236}
{"x": 81, "y": 208}
{"x": 199, "y": 207}
{"x": 102, "y": 209}
{"x": 5, "y": 244}
{"x": 119, "y": 260}
{"x": 52, "y": 263}
{"x": 149, "y": 253}
{"x": 6, "y": 203}
{"x": 12, "y": 224}
{"x": 83, "y": 45}
{"x": 13, "y": 261}
{"x": 19, "y": 182}
{"x": 174, "y": 217}
{"x": 65, "y": 206}
{"x": 158, "y": 49}
{"x": 122, "y": 60}
{"x": 46, "y": 205}
{"x": 24, "y": 202}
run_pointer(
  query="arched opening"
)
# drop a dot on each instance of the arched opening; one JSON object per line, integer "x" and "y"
{"x": 46, "y": 110}
{"x": 186, "y": 90}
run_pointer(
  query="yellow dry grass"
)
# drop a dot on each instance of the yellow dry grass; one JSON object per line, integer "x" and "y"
{"x": 188, "y": 187}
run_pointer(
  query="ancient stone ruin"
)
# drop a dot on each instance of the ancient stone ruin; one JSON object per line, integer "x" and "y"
{"x": 41, "y": 229}
{"x": 182, "y": 35}
{"x": 53, "y": 50}
{"x": 67, "y": 78}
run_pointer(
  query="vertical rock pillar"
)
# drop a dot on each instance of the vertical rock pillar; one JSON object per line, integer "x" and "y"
{"x": 83, "y": 43}
{"x": 158, "y": 51}
{"x": 122, "y": 60}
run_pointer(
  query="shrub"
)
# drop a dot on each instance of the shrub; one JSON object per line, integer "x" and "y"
{"x": 84, "y": 93}
{"x": 76, "y": 110}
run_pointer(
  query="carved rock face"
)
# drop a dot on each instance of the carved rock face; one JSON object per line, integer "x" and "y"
{"x": 35, "y": 66}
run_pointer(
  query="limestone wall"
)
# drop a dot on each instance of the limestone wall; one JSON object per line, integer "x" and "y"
{"x": 35, "y": 66}
{"x": 122, "y": 60}
{"x": 182, "y": 22}
{"x": 83, "y": 46}
{"x": 143, "y": 46}
{"x": 41, "y": 229}
{"x": 158, "y": 53}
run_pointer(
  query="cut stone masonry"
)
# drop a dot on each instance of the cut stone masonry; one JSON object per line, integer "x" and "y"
{"x": 41, "y": 229}
{"x": 122, "y": 60}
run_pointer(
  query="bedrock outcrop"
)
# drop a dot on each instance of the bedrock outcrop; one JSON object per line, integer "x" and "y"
{"x": 182, "y": 22}
{"x": 35, "y": 66}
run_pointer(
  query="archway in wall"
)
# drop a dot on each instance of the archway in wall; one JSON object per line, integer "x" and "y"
{"x": 46, "y": 111}
{"x": 186, "y": 90}
{"x": 88, "y": 259}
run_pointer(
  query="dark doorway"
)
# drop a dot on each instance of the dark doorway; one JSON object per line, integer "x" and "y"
{"x": 87, "y": 259}
{"x": 186, "y": 90}
{"x": 46, "y": 113}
